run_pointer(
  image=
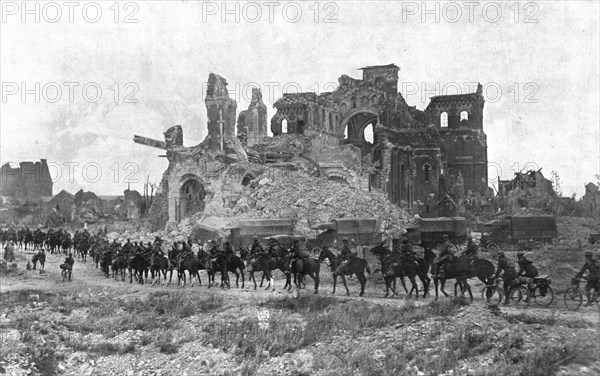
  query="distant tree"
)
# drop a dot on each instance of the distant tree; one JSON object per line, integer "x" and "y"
{"x": 148, "y": 197}
{"x": 556, "y": 183}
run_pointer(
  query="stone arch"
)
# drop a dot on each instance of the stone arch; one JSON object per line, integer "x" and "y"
{"x": 191, "y": 196}
{"x": 357, "y": 121}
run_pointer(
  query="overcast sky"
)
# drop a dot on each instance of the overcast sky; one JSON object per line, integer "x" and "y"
{"x": 538, "y": 62}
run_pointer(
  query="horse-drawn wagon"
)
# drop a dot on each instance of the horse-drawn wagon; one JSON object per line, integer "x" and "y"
{"x": 520, "y": 232}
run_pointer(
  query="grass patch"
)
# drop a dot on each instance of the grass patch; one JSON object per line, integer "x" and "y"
{"x": 308, "y": 319}
{"x": 166, "y": 345}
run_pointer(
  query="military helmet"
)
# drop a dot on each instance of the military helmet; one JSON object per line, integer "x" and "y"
{"x": 501, "y": 255}
{"x": 520, "y": 254}
{"x": 345, "y": 239}
{"x": 255, "y": 237}
{"x": 445, "y": 236}
{"x": 589, "y": 253}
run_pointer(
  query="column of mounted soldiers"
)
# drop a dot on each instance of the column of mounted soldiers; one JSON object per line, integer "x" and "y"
{"x": 105, "y": 252}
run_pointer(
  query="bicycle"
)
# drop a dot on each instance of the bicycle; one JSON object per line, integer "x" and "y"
{"x": 66, "y": 273}
{"x": 574, "y": 295}
{"x": 493, "y": 294}
{"x": 539, "y": 289}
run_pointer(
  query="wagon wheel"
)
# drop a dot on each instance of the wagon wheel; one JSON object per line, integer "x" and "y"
{"x": 538, "y": 244}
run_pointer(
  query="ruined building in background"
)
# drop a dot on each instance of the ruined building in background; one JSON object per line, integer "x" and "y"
{"x": 423, "y": 160}
{"x": 527, "y": 190}
{"x": 28, "y": 181}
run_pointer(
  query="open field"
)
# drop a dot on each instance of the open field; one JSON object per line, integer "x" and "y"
{"x": 97, "y": 326}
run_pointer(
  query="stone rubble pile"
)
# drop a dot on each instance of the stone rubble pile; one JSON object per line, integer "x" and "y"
{"x": 309, "y": 201}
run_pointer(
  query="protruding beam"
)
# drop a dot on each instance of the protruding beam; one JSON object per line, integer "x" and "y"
{"x": 150, "y": 142}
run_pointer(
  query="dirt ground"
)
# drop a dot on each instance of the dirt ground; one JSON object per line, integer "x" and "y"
{"x": 98, "y": 326}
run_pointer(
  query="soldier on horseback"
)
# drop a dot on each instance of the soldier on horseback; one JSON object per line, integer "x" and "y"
{"x": 274, "y": 249}
{"x": 128, "y": 247}
{"x": 593, "y": 279}
{"x": 228, "y": 251}
{"x": 407, "y": 252}
{"x": 186, "y": 252}
{"x": 298, "y": 253}
{"x": 446, "y": 256}
{"x": 213, "y": 248}
{"x": 347, "y": 253}
{"x": 472, "y": 248}
{"x": 256, "y": 247}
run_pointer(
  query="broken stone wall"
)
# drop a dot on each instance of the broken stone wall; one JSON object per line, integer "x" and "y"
{"x": 590, "y": 202}
{"x": 252, "y": 123}
{"x": 221, "y": 112}
{"x": 28, "y": 181}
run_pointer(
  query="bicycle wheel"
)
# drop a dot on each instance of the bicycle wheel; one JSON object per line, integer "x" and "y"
{"x": 492, "y": 295}
{"x": 573, "y": 298}
{"x": 519, "y": 296}
{"x": 543, "y": 295}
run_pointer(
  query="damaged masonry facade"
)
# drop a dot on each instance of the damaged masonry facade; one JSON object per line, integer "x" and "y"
{"x": 421, "y": 159}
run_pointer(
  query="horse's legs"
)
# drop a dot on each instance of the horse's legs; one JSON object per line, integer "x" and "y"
{"x": 466, "y": 285}
{"x": 345, "y": 285}
{"x": 442, "y": 286}
{"x": 334, "y": 283}
{"x": 403, "y": 284}
{"x": 363, "y": 281}
{"x": 237, "y": 278}
{"x": 414, "y": 287}
{"x": 425, "y": 281}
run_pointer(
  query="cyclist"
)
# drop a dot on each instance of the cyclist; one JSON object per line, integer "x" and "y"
{"x": 508, "y": 267}
{"x": 591, "y": 266}
{"x": 68, "y": 265}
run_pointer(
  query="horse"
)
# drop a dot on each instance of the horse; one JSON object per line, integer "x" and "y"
{"x": 300, "y": 268}
{"x": 66, "y": 244}
{"x": 38, "y": 239}
{"x": 193, "y": 266}
{"x": 219, "y": 264}
{"x": 28, "y": 238}
{"x": 403, "y": 268}
{"x": 137, "y": 265}
{"x": 105, "y": 262}
{"x": 119, "y": 265}
{"x": 41, "y": 257}
{"x": 83, "y": 247}
{"x": 267, "y": 264}
{"x": 159, "y": 264}
{"x": 340, "y": 268}
{"x": 424, "y": 264}
{"x": 462, "y": 268}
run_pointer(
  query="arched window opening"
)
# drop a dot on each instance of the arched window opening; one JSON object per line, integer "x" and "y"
{"x": 369, "y": 133}
{"x": 346, "y": 132}
{"x": 444, "y": 120}
{"x": 464, "y": 116}
{"x": 330, "y": 127}
{"x": 323, "y": 119}
{"x": 426, "y": 173}
{"x": 284, "y": 128}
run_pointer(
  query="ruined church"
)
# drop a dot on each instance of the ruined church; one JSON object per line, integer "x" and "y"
{"x": 424, "y": 160}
